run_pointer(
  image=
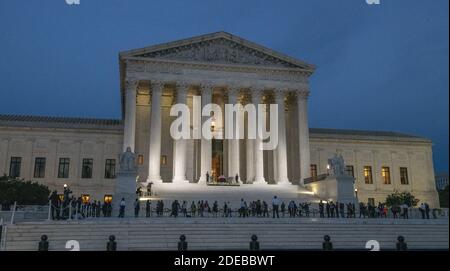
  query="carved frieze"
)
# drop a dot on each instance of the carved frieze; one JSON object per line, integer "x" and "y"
{"x": 219, "y": 51}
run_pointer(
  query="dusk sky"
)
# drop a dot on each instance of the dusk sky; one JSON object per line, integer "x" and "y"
{"x": 379, "y": 67}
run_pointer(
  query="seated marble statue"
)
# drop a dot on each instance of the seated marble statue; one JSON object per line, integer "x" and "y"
{"x": 337, "y": 165}
{"x": 127, "y": 160}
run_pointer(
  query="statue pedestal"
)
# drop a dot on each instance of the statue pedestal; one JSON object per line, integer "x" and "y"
{"x": 334, "y": 188}
{"x": 125, "y": 188}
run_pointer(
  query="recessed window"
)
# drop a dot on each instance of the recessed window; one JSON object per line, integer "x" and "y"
{"x": 368, "y": 175}
{"x": 86, "y": 171}
{"x": 39, "y": 167}
{"x": 313, "y": 170}
{"x": 63, "y": 168}
{"x": 371, "y": 201}
{"x": 110, "y": 169}
{"x": 386, "y": 175}
{"x": 404, "y": 175}
{"x": 14, "y": 167}
{"x": 163, "y": 160}
{"x": 140, "y": 159}
{"x": 349, "y": 170}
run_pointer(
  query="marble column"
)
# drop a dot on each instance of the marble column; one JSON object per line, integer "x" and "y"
{"x": 206, "y": 144}
{"x": 281, "y": 152}
{"x": 233, "y": 144}
{"x": 250, "y": 146}
{"x": 303, "y": 129}
{"x": 180, "y": 145}
{"x": 258, "y": 150}
{"x": 154, "y": 170}
{"x": 130, "y": 114}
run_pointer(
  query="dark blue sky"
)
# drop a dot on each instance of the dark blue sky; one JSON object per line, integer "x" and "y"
{"x": 381, "y": 67}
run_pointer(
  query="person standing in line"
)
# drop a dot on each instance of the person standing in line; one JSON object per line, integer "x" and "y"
{"x": 427, "y": 210}
{"x": 148, "y": 209}
{"x": 422, "y": 210}
{"x": 327, "y": 208}
{"x": 337, "y": 209}
{"x": 184, "y": 208}
{"x": 137, "y": 208}
{"x": 122, "y": 208}
{"x": 321, "y": 211}
{"x": 283, "y": 208}
{"x": 275, "y": 203}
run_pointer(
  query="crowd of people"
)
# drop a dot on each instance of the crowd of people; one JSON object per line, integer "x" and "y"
{"x": 74, "y": 207}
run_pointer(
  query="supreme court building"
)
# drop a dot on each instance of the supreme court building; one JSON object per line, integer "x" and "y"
{"x": 222, "y": 69}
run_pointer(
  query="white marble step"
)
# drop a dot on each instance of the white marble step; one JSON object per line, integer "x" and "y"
{"x": 206, "y": 234}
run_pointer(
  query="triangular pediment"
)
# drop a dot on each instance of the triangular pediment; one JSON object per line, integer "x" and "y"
{"x": 219, "y": 48}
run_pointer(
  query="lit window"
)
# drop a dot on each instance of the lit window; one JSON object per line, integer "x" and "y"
{"x": 164, "y": 160}
{"x": 404, "y": 175}
{"x": 368, "y": 175}
{"x": 386, "y": 175}
{"x": 140, "y": 159}
{"x": 313, "y": 170}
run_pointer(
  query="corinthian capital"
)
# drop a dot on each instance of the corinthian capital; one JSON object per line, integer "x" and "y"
{"x": 303, "y": 94}
{"x": 157, "y": 86}
{"x": 233, "y": 90}
{"x": 131, "y": 84}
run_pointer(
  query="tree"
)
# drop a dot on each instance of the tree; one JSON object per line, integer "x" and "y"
{"x": 398, "y": 198}
{"x": 23, "y": 192}
{"x": 443, "y": 197}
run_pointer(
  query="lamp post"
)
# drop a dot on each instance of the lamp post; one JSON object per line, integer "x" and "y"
{"x": 356, "y": 194}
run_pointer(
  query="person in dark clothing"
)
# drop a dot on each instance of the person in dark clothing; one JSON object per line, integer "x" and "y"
{"x": 427, "y": 210}
{"x": 332, "y": 207}
{"x": 175, "y": 207}
{"x": 327, "y": 208}
{"x": 54, "y": 204}
{"x": 321, "y": 212}
{"x": 207, "y": 177}
{"x": 282, "y": 208}
{"x": 265, "y": 209}
{"x": 342, "y": 209}
{"x": 137, "y": 208}
{"x": 337, "y": 209}
{"x": 122, "y": 208}
{"x": 275, "y": 204}
{"x": 148, "y": 205}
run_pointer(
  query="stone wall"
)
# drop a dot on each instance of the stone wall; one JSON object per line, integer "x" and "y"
{"x": 415, "y": 155}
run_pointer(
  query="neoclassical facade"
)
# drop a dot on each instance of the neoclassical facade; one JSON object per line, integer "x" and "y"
{"x": 222, "y": 69}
